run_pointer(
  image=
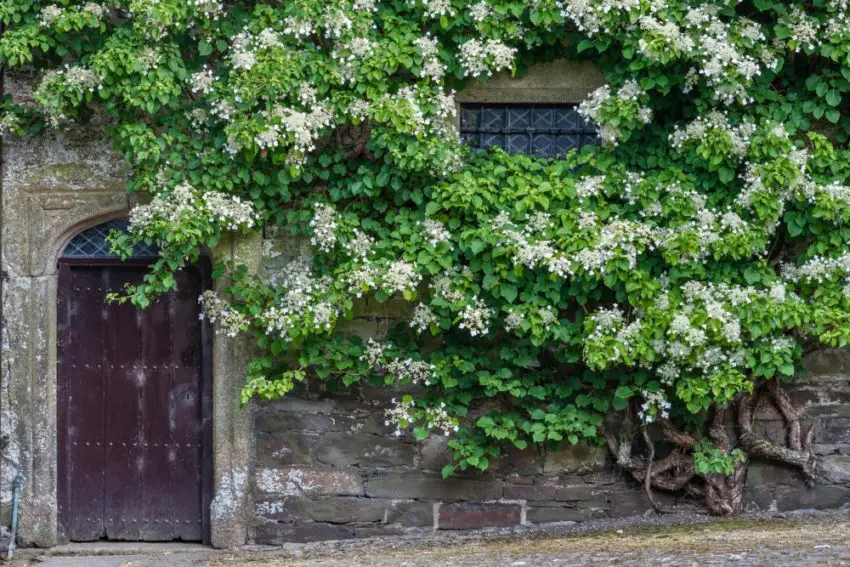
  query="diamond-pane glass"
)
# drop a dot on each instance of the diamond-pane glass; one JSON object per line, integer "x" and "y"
{"x": 92, "y": 243}
{"x": 543, "y": 130}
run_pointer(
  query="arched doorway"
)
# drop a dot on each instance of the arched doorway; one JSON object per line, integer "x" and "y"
{"x": 134, "y": 400}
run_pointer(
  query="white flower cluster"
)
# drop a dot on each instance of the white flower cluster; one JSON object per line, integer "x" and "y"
{"x": 208, "y": 9}
{"x": 403, "y": 415}
{"x": 298, "y": 28}
{"x": 655, "y": 405}
{"x": 404, "y": 370}
{"x": 601, "y": 102}
{"x": 432, "y": 67}
{"x": 202, "y": 81}
{"x": 721, "y": 63}
{"x": 436, "y": 231}
{"x": 444, "y": 285}
{"x": 148, "y": 59}
{"x": 184, "y": 203}
{"x": 819, "y": 269}
{"x": 423, "y": 318}
{"x": 438, "y": 418}
{"x": 293, "y": 128}
{"x": 480, "y": 11}
{"x": 304, "y": 301}
{"x": 513, "y": 320}
{"x": 351, "y": 54}
{"x": 400, "y": 415}
{"x": 436, "y": 8}
{"x": 50, "y": 14}
{"x": 479, "y": 57}
{"x": 221, "y": 314}
{"x": 324, "y": 227}
{"x": 668, "y": 34}
{"x": 594, "y": 16}
{"x": 804, "y": 30}
{"x": 229, "y": 211}
{"x": 475, "y": 318}
{"x": 401, "y": 276}
{"x": 715, "y": 121}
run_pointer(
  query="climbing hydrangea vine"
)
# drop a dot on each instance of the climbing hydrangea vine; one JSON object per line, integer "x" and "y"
{"x": 670, "y": 273}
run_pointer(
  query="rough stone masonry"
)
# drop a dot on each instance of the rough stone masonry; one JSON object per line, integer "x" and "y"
{"x": 317, "y": 465}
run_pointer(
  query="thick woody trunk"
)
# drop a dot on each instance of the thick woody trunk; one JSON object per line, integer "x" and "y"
{"x": 721, "y": 494}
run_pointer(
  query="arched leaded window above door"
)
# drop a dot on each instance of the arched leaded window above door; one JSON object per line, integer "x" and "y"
{"x": 92, "y": 242}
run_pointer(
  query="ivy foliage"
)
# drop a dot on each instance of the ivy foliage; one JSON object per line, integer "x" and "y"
{"x": 689, "y": 257}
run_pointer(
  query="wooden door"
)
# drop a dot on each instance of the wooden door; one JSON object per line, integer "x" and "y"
{"x": 133, "y": 408}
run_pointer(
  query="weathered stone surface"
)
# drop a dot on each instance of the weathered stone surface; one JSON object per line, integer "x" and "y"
{"x": 760, "y": 473}
{"x": 546, "y": 514}
{"x": 427, "y": 486}
{"x": 785, "y": 498}
{"x": 342, "y": 510}
{"x": 278, "y": 534}
{"x": 434, "y": 454}
{"x": 468, "y": 515}
{"x": 834, "y": 430}
{"x": 286, "y": 509}
{"x": 575, "y": 458}
{"x": 529, "y": 492}
{"x": 295, "y": 481}
{"x": 559, "y": 81}
{"x": 377, "y": 530}
{"x": 630, "y": 503}
{"x": 343, "y": 450}
{"x": 834, "y": 469}
{"x": 581, "y": 493}
{"x": 413, "y": 513}
{"x": 826, "y": 365}
{"x": 276, "y": 449}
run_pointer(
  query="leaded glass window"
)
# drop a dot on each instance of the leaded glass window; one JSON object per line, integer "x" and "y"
{"x": 543, "y": 130}
{"x": 92, "y": 243}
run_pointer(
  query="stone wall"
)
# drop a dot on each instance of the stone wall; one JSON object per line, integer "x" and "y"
{"x": 327, "y": 467}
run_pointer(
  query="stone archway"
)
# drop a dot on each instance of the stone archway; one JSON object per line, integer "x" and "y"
{"x": 53, "y": 187}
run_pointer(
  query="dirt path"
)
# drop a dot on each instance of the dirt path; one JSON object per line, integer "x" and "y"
{"x": 819, "y": 540}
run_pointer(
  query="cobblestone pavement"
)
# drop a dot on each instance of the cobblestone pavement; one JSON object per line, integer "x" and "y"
{"x": 817, "y": 540}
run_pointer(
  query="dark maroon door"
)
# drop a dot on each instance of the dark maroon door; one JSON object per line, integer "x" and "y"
{"x": 133, "y": 403}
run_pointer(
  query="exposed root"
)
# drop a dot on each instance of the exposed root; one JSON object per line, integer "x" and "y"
{"x": 798, "y": 453}
{"x": 721, "y": 494}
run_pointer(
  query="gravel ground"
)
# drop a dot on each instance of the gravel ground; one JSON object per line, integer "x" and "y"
{"x": 809, "y": 539}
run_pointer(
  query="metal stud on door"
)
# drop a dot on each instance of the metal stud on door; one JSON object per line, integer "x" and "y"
{"x": 134, "y": 394}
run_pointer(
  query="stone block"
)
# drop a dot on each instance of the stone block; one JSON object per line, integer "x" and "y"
{"x": 287, "y": 509}
{"x": 526, "y": 461}
{"x": 631, "y": 503}
{"x": 582, "y": 493}
{"x": 761, "y": 473}
{"x": 827, "y": 365}
{"x": 834, "y": 430}
{"x": 278, "y": 534}
{"x": 547, "y": 514}
{"x": 295, "y": 481}
{"x": 529, "y": 492}
{"x": 377, "y": 530}
{"x": 469, "y": 515}
{"x": 434, "y": 454}
{"x": 432, "y": 487}
{"x": 558, "y": 81}
{"x": 411, "y": 513}
{"x": 364, "y": 450}
{"x": 834, "y": 469}
{"x": 276, "y": 449}
{"x": 342, "y": 510}
{"x": 786, "y": 498}
{"x": 575, "y": 458}
{"x": 774, "y": 431}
